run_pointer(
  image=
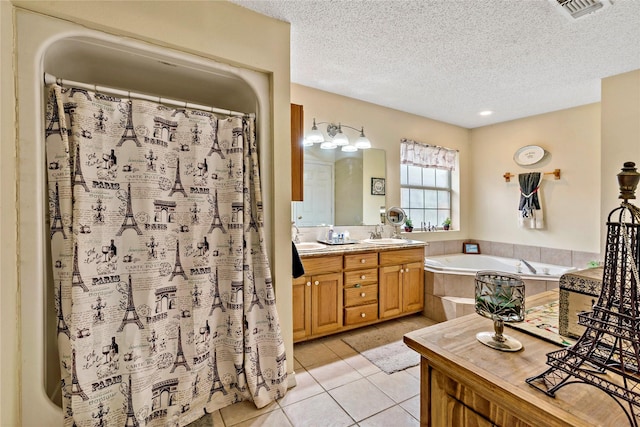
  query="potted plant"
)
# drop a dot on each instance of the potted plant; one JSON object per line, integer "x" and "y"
{"x": 408, "y": 225}
{"x": 446, "y": 224}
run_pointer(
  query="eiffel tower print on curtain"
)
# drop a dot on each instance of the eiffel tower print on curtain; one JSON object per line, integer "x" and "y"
{"x": 130, "y": 314}
{"x": 129, "y": 220}
{"x": 78, "y": 177}
{"x": 180, "y": 360}
{"x": 56, "y": 222}
{"x": 129, "y": 133}
{"x": 177, "y": 184}
{"x": 177, "y": 267}
{"x": 607, "y": 355}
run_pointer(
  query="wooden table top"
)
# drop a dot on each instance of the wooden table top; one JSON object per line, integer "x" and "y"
{"x": 452, "y": 348}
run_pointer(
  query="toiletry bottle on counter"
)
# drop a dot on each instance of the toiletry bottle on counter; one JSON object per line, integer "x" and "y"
{"x": 330, "y": 234}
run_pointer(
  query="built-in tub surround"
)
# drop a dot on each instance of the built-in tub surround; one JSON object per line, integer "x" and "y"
{"x": 58, "y": 48}
{"x": 450, "y": 281}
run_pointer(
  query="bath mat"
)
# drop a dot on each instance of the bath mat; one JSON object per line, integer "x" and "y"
{"x": 542, "y": 321}
{"x": 389, "y": 354}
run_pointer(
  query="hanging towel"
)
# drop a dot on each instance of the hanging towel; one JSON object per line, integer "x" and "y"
{"x": 297, "y": 267}
{"x": 530, "y": 209}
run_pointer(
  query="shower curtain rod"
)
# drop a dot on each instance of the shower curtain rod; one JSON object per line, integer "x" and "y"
{"x": 51, "y": 79}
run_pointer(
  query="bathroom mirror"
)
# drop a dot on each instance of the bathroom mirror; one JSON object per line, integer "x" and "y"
{"x": 338, "y": 188}
{"x": 396, "y": 216}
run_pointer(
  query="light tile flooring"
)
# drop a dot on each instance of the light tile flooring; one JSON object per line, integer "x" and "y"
{"x": 336, "y": 386}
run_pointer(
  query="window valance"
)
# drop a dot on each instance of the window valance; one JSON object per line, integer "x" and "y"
{"x": 424, "y": 155}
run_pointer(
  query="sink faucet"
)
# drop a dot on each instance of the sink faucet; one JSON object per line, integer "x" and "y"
{"x": 296, "y": 238}
{"x": 377, "y": 232}
{"x": 533, "y": 270}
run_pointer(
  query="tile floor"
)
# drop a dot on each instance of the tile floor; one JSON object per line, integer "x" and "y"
{"x": 336, "y": 386}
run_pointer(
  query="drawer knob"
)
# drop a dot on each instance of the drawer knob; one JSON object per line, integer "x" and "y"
{"x": 363, "y": 294}
{"x": 362, "y": 261}
{"x": 316, "y": 283}
{"x": 401, "y": 270}
{"x": 308, "y": 283}
{"x": 406, "y": 269}
{"x": 363, "y": 315}
{"x": 363, "y": 277}
{"x": 357, "y": 285}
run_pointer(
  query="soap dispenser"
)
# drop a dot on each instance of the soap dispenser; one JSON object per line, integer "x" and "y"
{"x": 330, "y": 234}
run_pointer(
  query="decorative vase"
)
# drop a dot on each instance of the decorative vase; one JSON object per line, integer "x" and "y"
{"x": 408, "y": 229}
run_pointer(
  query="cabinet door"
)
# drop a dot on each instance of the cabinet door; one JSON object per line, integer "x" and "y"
{"x": 390, "y": 289}
{"x": 326, "y": 302}
{"x": 297, "y": 153}
{"x": 413, "y": 287}
{"x": 301, "y": 307}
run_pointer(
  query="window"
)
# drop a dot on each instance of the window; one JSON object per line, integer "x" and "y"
{"x": 426, "y": 182}
{"x": 425, "y": 194}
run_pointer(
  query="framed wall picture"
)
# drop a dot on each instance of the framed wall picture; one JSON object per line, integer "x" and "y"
{"x": 377, "y": 186}
{"x": 470, "y": 248}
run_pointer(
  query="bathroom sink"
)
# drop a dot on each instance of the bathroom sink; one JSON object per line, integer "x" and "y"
{"x": 309, "y": 246}
{"x": 386, "y": 241}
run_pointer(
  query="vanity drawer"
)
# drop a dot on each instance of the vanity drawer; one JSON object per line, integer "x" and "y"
{"x": 360, "y": 277}
{"x": 363, "y": 295}
{"x": 360, "y": 314}
{"x": 362, "y": 260}
{"x": 402, "y": 256}
{"x": 323, "y": 264}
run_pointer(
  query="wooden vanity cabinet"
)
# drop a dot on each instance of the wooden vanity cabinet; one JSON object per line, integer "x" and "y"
{"x": 401, "y": 282}
{"x": 318, "y": 298}
{"x": 360, "y": 288}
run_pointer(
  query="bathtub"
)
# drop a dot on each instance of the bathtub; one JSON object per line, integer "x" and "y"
{"x": 71, "y": 52}
{"x": 471, "y": 264}
{"x": 450, "y": 281}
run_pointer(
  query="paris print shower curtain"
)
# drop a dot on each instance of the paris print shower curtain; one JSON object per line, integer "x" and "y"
{"x": 164, "y": 295}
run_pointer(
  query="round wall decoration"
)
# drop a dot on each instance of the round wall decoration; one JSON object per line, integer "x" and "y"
{"x": 529, "y": 155}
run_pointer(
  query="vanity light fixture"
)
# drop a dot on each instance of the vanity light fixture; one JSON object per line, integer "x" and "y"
{"x": 336, "y": 138}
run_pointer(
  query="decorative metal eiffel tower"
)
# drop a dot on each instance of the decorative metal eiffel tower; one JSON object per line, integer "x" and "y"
{"x": 130, "y": 315}
{"x": 177, "y": 268}
{"x": 78, "y": 177}
{"x": 260, "y": 382}
{"x": 131, "y": 420}
{"x": 180, "y": 359}
{"x": 215, "y": 147}
{"x": 177, "y": 184}
{"x": 216, "y": 222}
{"x": 56, "y": 224}
{"x": 129, "y": 219}
{"x": 76, "y": 390}
{"x": 76, "y": 279}
{"x": 217, "y": 301}
{"x": 216, "y": 384}
{"x": 62, "y": 325}
{"x": 607, "y": 355}
{"x": 129, "y": 133}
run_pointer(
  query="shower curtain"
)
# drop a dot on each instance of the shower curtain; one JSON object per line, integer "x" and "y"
{"x": 165, "y": 302}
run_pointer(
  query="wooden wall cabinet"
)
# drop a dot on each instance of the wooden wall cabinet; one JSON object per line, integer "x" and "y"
{"x": 401, "y": 282}
{"x": 297, "y": 153}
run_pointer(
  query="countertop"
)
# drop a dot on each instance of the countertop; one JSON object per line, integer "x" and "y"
{"x": 359, "y": 247}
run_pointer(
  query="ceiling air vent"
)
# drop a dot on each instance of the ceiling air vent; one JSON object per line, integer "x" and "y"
{"x": 574, "y": 9}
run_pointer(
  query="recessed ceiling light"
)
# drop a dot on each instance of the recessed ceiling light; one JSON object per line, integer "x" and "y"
{"x": 486, "y": 113}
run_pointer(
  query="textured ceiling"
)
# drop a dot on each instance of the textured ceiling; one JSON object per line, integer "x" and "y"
{"x": 450, "y": 59}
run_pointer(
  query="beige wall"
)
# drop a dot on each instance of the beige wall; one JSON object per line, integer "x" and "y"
{"x": 570, "y": 205}
{"x": 217, "y": 30}
{"x": 385, "y": 127}
{"x": 620, "y": 135}
{"x": 8, "y": 231}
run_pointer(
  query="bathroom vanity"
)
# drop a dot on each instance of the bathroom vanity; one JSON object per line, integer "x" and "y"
{"x": 349, "y": 286}
{"x": 466, "y": 383}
